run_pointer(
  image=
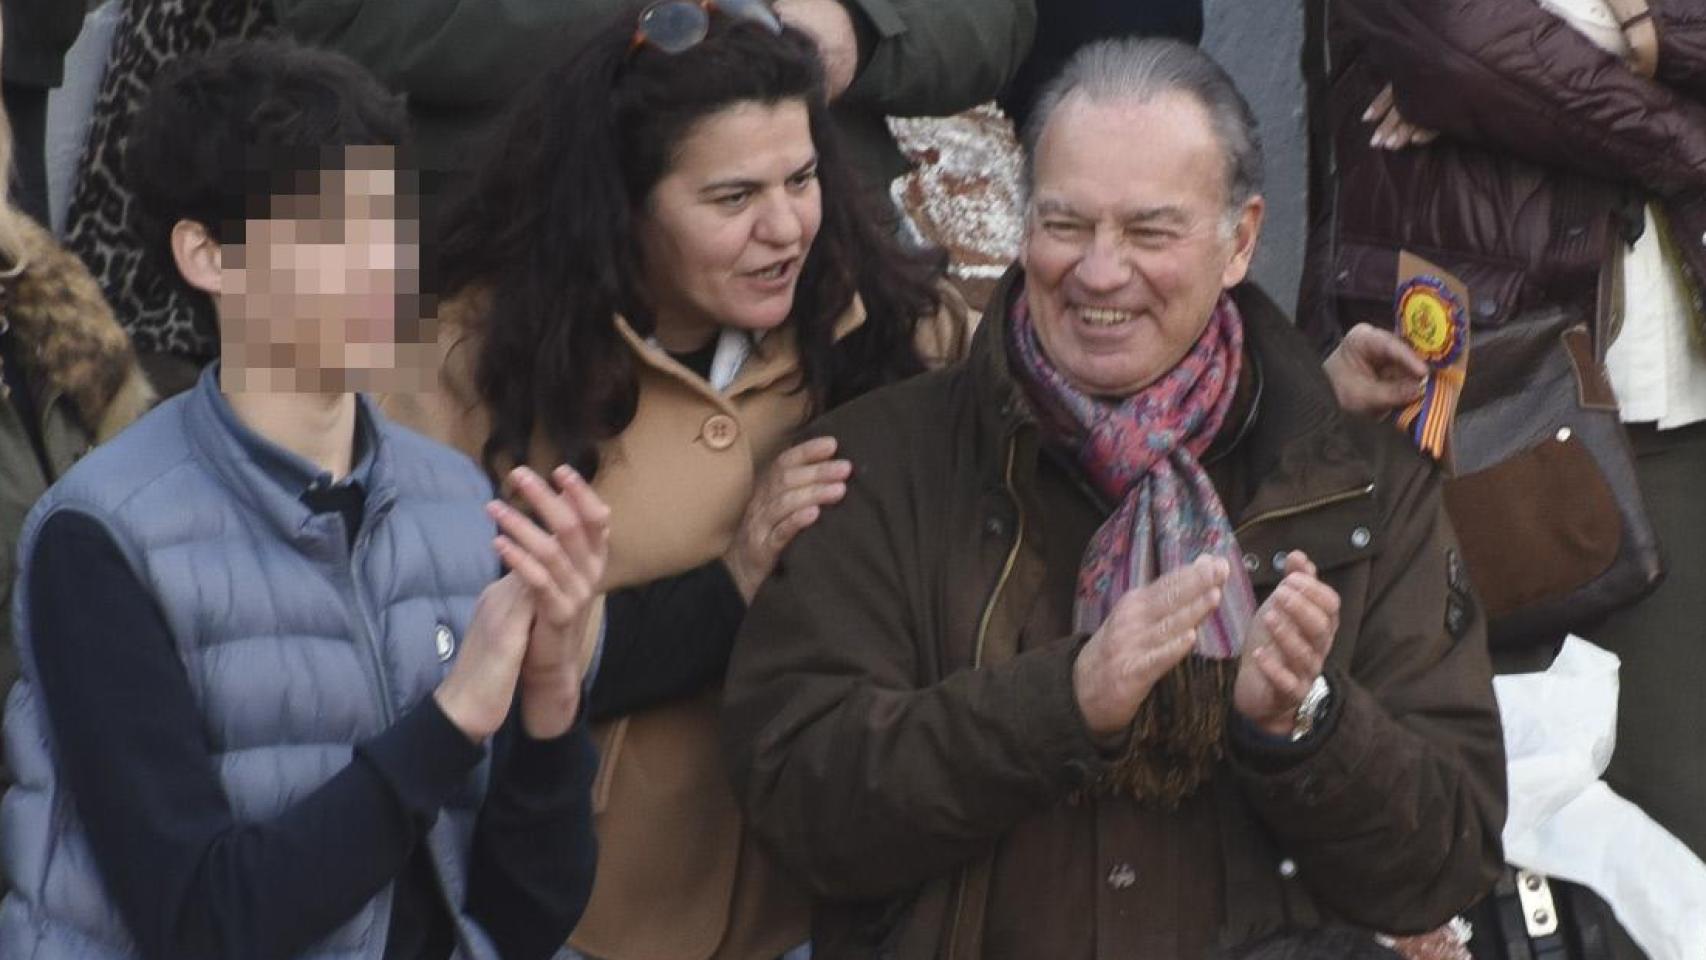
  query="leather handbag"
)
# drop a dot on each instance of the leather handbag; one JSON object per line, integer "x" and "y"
{"x": 1543, "y": 493}
{"x": 1532, "y": 917}
{"x": 1542, "y": 490}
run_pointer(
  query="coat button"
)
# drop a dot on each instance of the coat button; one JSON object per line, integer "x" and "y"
{"x": 1360, "y": 537}
{"x": 1252, "y": 563}
{"x": 1703, "y": 239}
{"x": 1122, "y": 877}
{"x": 1279, "y": 560}
{"x": 1288, "y": 868}
{"x": 445, "y": 643}
{"x": 1564, "y": 434}
{"x": 995, "y": 527}
{"x": 720, "y": 431}
{"x": 1488, "y": 308}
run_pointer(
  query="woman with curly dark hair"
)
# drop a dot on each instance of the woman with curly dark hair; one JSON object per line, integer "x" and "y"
{"x": 662, "y": 273}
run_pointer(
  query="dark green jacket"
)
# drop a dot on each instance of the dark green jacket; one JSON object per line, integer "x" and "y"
{"x": 38, "y": 32}
{"x": 461, "y": 61}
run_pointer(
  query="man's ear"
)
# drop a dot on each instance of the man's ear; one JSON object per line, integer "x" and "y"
{"x": 1244, "y": 235}
{"x": 198, "y": 257}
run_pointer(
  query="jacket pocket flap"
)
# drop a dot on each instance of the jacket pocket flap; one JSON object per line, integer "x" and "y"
{"x": 1369, "y": 272}
{"x": 1335, "y": 534}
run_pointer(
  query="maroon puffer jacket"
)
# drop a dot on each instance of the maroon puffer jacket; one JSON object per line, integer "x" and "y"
{"x": 1548, "y": 148}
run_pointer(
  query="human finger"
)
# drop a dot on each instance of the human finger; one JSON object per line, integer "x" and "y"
{"x": 556, "y": 600}
{"x": 554, "y": 511}
{"x": 1294, "y": 643}
{"x": 1285, "y": 682}
{"x": 790, "y": 527}
{"x": 1386, "y": 134}
{"x": 825, "y": 471}
{"x": 1146, "y": 664}
{"x": 809, "y": 451}
{"x": 1379, "y": 106}
{"x": 587, "y": 546}
{"x": 1384, "y": 348}
{"x": 530, "y": 538}
{"x": 1302, "y": 611}
{"x": 799, "y": 498}
{"x": 1178, "y": 586}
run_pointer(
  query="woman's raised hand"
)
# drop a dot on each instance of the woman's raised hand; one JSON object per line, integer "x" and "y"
{"x": 788, "y": 498}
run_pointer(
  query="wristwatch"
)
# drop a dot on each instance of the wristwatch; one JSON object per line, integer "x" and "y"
{"x": 1312, "y": 709}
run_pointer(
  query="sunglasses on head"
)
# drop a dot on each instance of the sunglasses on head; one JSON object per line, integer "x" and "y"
{"x": 675, "y": 26}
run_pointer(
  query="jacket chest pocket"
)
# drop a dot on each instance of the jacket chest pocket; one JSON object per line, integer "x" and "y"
{"x": 1340, "y": 534}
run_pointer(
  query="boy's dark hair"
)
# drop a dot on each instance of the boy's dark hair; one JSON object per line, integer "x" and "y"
{"x": 223, "y": 133}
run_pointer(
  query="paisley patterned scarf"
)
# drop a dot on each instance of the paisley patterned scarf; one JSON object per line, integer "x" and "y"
{"x": 1141, "y": 452}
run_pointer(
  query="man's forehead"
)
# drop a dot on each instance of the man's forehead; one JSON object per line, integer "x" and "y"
{"x": 1055, "y": 204}
{"x": 1127, "y": 155}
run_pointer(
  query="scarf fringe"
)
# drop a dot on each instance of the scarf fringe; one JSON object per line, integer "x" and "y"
{"x": 1178, "y": 736}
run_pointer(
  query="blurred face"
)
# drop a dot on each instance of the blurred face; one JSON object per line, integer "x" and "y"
{"x": 316, "y": 287}
{"x": 1127, "y": 248}
{"x": 727, "y": 229}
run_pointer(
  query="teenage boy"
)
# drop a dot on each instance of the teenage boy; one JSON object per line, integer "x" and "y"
{"x": 264, "y": 637}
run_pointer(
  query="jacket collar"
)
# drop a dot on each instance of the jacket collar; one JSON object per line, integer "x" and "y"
{"x": 775, "y": 357}
{"x": 1289, "y": 433}
{"x": 270, "y": 480}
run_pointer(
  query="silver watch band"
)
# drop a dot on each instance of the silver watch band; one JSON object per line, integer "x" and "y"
{"x": 1310, "y": 709}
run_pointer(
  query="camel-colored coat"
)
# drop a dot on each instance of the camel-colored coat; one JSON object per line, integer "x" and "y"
{"x": 679, "y": 877}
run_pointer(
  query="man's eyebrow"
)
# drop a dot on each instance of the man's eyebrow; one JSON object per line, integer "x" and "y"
{"x": 1057, "y": 208}
{"x": 1164, "y": 213}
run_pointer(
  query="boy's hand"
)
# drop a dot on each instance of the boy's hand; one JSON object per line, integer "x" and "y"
{"x": 477, "y": 694}
{"x": 562, "y": 569}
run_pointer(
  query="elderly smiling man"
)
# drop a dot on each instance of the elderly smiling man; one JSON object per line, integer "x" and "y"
{"x": 1125, "y": 641}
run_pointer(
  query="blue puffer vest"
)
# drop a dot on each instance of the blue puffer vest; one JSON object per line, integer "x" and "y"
{"x": 296, "y": 648}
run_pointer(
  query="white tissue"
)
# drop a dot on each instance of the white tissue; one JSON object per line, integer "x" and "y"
{"x": 1560, "y": 728}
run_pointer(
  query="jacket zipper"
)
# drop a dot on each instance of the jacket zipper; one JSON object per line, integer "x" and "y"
{"x": 977, "y": 656}
{"x": 1012, "y": 555}
{"x": 367, "y": 635}
{"x": 1305, "y": 507}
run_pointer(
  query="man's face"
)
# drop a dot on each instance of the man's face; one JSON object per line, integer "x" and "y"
{"x": 316, "y": 287}
{"x": 1127, "y": 248}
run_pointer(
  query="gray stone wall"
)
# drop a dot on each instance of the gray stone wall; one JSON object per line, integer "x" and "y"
{"x": 1260, "y": 42}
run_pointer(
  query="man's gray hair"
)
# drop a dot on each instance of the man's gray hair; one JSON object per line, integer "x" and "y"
{"x": 1142, "y": 69}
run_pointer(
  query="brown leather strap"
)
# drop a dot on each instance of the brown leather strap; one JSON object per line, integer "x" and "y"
{"x": 1635, "y": 18}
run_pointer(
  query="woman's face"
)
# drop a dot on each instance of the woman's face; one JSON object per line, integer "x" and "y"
{"x": 727, "y": 229}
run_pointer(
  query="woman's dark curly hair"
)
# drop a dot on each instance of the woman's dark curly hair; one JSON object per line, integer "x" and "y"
{"x": 548, "y": 230}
